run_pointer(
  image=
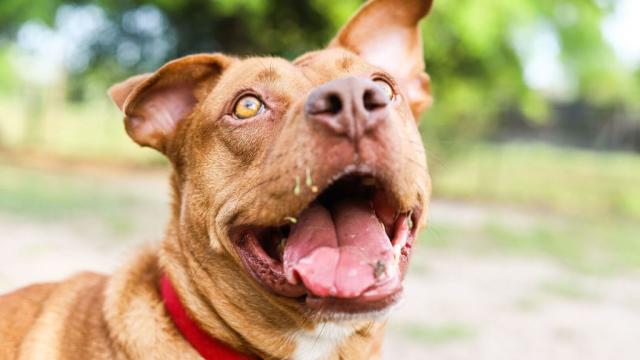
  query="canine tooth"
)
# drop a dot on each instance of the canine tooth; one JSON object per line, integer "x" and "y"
{"x": 281, "y": 245}
{"x": 397, "y": 250}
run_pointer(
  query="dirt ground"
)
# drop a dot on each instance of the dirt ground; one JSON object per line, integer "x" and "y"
{"x": 458, "y": 304}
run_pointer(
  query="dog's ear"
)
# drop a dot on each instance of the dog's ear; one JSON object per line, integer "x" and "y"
{"x": 153, "y": 104}
{"x": 386, "y": 34}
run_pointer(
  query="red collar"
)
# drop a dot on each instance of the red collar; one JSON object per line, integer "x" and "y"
{"x": 208, "y": 347}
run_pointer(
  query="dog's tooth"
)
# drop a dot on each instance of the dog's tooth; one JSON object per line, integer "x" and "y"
{"x": 410, "y": 221}
{"x": 397, "y": 251}
{"x": 291, "y": 219}
{"x": 281, "y": 246}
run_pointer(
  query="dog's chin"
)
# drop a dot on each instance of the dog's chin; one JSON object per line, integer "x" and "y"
{"x": 343, "y": 257}
{"x": 337, "y": 314}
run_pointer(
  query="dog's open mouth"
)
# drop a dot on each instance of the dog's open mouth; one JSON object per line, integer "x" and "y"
{"x": 346, "y": 251}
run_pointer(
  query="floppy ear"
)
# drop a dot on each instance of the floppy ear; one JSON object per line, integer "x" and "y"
{"x": 153, "y": 104}
{"x": 386, "y": 34}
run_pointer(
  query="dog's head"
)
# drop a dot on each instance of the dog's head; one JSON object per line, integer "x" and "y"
{"x": 309, "y": 176}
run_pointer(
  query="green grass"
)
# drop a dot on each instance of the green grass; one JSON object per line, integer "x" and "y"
{"x": 44, "y": 196}
{"x": 437, "y": 334}
{"x": 590, "y": 246}
{"x": 568, "y": 181}
{"x": 569, "y": 289}
{"x": 600, "y": 247}
{"x": 528, "y": 304}
{"x": 92, "y": 130}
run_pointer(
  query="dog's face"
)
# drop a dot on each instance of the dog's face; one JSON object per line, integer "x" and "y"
{"x": 309, "y": 175}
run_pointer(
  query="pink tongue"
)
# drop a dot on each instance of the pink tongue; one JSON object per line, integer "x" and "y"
{"x": 341, "y": 256}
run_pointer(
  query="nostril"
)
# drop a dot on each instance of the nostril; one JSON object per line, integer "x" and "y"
{"x": 334, "y": 104}
{"x": 324, "y": 104}
{"x": 350, "y": 107}
{"x": 372, "y": 100}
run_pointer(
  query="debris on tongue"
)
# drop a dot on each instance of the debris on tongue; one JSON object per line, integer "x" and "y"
{"x": 339, "y": 252}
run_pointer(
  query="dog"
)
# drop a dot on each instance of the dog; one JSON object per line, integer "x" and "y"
{"x": 298, "y": 190}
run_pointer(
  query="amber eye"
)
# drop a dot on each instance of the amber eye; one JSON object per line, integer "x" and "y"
{"x": 248, "y": 106}
{"x": 385, "y": 87}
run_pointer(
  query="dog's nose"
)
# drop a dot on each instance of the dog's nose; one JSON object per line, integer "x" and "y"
{"x": 349, "y": 107}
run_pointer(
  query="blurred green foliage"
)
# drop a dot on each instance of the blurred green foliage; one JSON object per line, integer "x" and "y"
{"x": 476, "y": 52}
{"x": 569, "y": 181}
{"x": 471, "y": 51}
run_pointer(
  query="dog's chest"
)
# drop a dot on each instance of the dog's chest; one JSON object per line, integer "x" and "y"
{"x": 320, "y": 343}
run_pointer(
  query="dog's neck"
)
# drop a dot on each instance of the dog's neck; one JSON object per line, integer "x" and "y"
{"x": 235, "y": 310}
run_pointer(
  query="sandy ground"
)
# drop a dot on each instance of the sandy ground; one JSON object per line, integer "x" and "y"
{"x": 458, "y": 305}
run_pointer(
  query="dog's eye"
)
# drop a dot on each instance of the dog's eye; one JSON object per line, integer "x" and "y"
{"x": 248, "y": 106}
{"x": 385, "y": 87}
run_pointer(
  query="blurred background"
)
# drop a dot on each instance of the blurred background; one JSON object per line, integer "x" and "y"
{"x": 533, "y": 246}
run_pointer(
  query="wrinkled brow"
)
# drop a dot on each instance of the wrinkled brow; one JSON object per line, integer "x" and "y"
{"x": 305, "y": 59}
{"x": 269, "y": 74}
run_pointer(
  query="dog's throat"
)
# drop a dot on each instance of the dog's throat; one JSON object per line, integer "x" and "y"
{"x": 208, "y": 347}
{"x": 340, "y": 251}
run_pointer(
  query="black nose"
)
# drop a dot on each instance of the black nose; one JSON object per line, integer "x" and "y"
{"x": 349, "y": 107}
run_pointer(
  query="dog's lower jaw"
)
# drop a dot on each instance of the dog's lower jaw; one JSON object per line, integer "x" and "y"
{"x": 262, "y": 324}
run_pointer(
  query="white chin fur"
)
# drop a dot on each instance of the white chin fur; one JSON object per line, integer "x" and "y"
{"x": 323, "y": 341}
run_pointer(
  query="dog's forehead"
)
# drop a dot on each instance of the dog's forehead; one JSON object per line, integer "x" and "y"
{"x": 329, "y": 64}
{"x": 301, "y": 74}
{"x": 331, "y": 58}
{"x": 270, "y": 77}
{"x": 260, "y": 71}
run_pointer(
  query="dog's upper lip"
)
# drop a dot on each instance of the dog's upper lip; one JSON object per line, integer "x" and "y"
{"x": 355, "y": 170}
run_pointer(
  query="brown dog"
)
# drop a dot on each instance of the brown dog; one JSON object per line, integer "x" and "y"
{"x": 298, "y": 190}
